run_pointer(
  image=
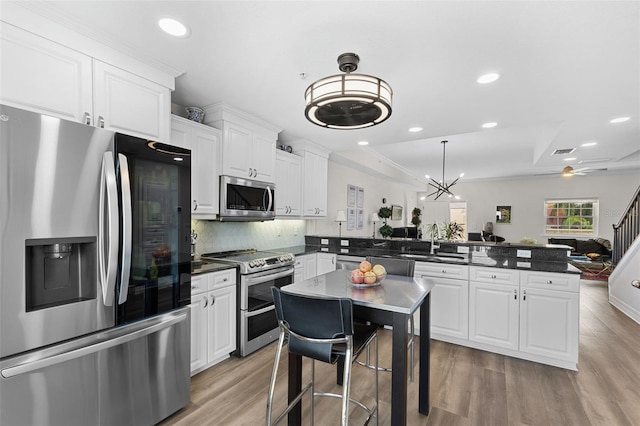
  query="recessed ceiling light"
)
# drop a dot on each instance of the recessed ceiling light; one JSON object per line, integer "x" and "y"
{"x": 173, "y": 27}
{"x": 488, "y": 78}
{"x": 489, "y": 125}
{"x": 363, "y": 143}
{"x": 570, "y": 159}
{"x": 427, "y": 176}
{"x": 620, "y": 120}
{"x": 415, "y": 129}
{"x": 587, "y": 144}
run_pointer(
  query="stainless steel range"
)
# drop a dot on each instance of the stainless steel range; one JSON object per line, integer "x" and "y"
{"x": 258, "y": 271}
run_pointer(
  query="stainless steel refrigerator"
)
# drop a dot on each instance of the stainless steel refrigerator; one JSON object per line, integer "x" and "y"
{"x": 94, "y": 274}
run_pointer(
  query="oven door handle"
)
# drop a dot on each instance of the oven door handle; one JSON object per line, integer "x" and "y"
{"x": 260, "y": 311}
{"x": 267, "y": 277}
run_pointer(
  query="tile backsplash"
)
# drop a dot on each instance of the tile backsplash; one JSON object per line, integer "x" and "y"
{"x": 214, "y": 236}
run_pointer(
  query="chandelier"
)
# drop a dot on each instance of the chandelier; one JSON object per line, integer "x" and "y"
{"x": 442, "y": 187}
{"x": 348, "y": 101}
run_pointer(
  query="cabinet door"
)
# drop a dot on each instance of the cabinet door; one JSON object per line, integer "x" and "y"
{"x": 288, "y": 181}
{"x": 130, "y": 104}
{"x": 295, "y": 186}
{"x": 449, "y": 308}
{"x": 326, "y": 263}
{"x": 222, "y": 323}
{"x": 236, "y": 151}
{"x": 282, "y": 184}
{"x": 314, "y": 198}
{"x": 310, "y": 266}
{"x": 549, "y": 323}
{"x": 494, "y": 314}
{"x": 205, "y": 174}
{"x": 42, "y": 76}
{"x": 199, "y": 327}
{"x": 263, "y": 158}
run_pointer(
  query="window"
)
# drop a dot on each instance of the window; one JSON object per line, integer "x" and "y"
{"x": 571, "y": 217}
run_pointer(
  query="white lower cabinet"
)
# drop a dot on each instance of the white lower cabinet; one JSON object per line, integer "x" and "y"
{"x": 213, "y": 318}
{"x": 305, "y": 267}
{"x": 550, "y": 321}
{"x": 326, "y": 262}
{"x": 449, "y": 299}
{"x": 493, "y": 314}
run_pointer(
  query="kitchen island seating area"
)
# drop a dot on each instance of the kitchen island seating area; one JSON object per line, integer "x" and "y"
{"x": 322, "y": 329}
{"x": 390, "y": 303}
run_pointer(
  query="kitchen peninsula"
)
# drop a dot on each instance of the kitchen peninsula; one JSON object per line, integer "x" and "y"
{"x": 520, "y": 300}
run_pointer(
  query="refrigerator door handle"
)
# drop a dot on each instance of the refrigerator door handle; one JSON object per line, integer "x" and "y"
{"x": 125, "y": 186}
{"x": 28, "y": 367}
{"x": 107, "y": 241}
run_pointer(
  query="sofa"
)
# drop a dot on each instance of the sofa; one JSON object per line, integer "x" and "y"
{"x": 599, "y": 246}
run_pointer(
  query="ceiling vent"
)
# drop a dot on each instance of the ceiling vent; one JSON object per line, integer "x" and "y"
{"x": 563, "y": 151}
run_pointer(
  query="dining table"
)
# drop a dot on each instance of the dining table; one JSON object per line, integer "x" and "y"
{"x": 390, "y": 302}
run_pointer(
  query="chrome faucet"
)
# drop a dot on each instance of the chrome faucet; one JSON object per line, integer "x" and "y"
{"x": 433, "y": 246}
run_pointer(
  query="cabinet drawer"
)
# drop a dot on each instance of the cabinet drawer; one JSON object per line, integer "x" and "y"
{"x": 222, "y": 279}
{"x": 551, "y": 281}
{"x": 199, "y": 283}
{"x": 494, "y": 275}
{"x": 443, "y": 270}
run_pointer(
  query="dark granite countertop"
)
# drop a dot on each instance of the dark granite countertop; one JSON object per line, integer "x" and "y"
{"x": 488, "y": 255}
{"x": 204, "y": 267}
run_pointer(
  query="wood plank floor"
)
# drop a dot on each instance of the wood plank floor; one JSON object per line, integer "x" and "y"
{"x": 468, "y": 386}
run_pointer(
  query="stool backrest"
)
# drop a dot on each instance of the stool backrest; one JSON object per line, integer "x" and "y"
{"x": 313, "y": 318}
{"x": 404, "y": 267}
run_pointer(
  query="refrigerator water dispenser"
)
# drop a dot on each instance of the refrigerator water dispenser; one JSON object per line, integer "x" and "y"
{"x": 59, "y": 271}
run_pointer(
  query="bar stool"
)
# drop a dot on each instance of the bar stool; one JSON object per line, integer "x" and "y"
{"x": 321, "y": 329}
{"x": 404, "y": 267}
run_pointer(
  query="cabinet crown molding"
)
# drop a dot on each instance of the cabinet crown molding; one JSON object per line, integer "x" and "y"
{"x": 215, "y": 113}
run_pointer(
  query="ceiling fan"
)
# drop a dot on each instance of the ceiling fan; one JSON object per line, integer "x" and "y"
{"x": 569, "y": 171}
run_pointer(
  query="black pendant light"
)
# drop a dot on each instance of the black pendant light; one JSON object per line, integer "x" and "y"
{"x": 442, "y": 187}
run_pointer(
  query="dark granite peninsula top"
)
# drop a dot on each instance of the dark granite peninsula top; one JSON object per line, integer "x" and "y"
{"x": 534, "y": 257}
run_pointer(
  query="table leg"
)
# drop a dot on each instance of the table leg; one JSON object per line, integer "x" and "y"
{"x": 399, "y": 380}
{"x": 295, "y": 386}
{"x": 425, "y": 367}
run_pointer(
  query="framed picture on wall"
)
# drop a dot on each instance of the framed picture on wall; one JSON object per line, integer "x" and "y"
{"x": 396, "y": 212}
{"x": 503, "y": 214}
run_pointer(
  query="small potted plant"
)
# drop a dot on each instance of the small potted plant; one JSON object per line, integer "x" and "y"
{"x": 385, "y": 213}
{"x": 452, "y": 231}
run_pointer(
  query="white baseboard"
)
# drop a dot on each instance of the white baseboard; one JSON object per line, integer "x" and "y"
{"x": 626, "y": 309}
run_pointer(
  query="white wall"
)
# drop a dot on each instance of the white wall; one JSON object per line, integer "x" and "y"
{"x": 526, "y": 197}
{"x": 375, "y": 188}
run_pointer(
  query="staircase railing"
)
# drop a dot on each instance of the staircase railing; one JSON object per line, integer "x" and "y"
{"x": 627, "y": 229}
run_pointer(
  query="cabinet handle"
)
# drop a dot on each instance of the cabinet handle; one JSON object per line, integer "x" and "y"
{"x": 549, "y": 282}
{"x": 493, "y": 276}
{"x": 255, "y": 172}
{"x": 515, "y": 294}
{"x": 87, "y": 118}
{"x": 100, "y": 122}
{"x": 206, "y": 302}
{"x": 524, "y": 294}
{"x": 444, "y": 271}
{"x": 225, "y": 279}
{"x": 213, "y": 299}
{"x": 195, "y": 205}
{"x": 193, "y": 287}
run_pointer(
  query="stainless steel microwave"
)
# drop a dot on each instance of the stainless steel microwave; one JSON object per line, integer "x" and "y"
{"x": 245, "y": 200}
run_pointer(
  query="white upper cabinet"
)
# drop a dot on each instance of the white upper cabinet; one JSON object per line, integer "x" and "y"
{"x": 204, "y": 143}
{"x": 129, "y": 104}
{"x": 248, "y": 143}
{"x": 43, "y": 76}
{"x": 288, "y": 184}
{"x": 315, "y": 166}
{"x": 46, "y": 77}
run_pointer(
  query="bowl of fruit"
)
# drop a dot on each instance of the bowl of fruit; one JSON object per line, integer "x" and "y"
{"x": 367, "y": 275}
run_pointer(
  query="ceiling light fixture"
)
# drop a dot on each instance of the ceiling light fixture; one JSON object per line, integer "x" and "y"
{"x": 490, "y": 125}
{"x": 363, "y": 143}
{"x": 569, "y": 159}
{"x": 588, "y": 144}
{"x": 567, "y": 171}
{"x": 415, "y": 129}
{"x": 619, "y": 120}
{"x": 348, "y": 101}
{"x": 488, "y": 78}
{"x": 442, "y": 187}
{"x": 173, "y": 27}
